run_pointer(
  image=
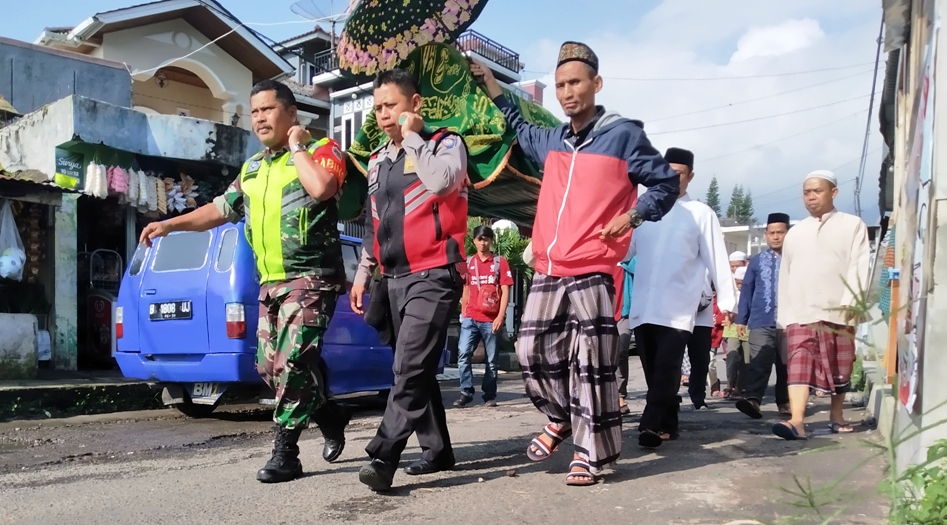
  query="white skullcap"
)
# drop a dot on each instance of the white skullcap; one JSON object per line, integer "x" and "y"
{"x": 737, "y": 257}
{"x": 740, "y": 273}
{"x": 823, "y": 174}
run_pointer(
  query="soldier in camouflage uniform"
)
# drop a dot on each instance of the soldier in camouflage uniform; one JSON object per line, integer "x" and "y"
{"x": 288, "y": 196}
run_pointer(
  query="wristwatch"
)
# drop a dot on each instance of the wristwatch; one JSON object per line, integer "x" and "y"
{"x": 636, "y": 218}
{"x": 299, "y": 146}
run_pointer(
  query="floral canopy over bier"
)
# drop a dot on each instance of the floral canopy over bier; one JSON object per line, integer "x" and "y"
{"x": 380, "y": 34}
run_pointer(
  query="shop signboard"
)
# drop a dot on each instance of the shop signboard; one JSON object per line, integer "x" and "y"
{"x": 70, "y": 169}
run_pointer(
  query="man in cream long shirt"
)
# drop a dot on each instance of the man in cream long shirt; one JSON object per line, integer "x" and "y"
{"x": 825, "y": 258}
{"x": 675, "y": 256}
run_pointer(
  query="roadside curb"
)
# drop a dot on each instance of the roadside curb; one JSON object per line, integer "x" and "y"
{"x": 63, "y": 400}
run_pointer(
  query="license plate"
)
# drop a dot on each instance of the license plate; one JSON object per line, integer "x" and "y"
{"x": 205, "y": 393}
{"x": 170, "y": 310}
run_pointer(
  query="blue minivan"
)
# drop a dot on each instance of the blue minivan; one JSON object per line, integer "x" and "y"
{"x": 187, "y": 316}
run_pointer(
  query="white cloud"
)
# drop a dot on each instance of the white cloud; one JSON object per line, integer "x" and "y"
{"x": 771, "y": 41}
{"x": 703, "y": 40}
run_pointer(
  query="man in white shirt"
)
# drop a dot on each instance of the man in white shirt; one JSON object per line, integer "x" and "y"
{"x": 674, "y": 257}
{"x": 825, "y": 259}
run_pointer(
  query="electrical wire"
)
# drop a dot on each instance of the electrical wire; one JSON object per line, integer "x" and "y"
{"x": 737, "y": 77}
{"x": 650, "y": 121}
{"x": 871, "y": 105}
{"x": 797, "y": 185}
{"x": 804, "y": 132}
{"x": 787, "y": 199}
{"x": 214, "y": 41}
{"x": 758, "y": 118}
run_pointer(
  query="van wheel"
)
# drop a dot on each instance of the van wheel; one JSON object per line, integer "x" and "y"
{"x": 194, "y": 410}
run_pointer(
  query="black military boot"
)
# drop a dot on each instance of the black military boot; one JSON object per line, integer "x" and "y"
{"x": 284, "y": 465}
{"x": 332, "y": 419}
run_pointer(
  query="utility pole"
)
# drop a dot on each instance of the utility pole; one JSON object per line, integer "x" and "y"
{"x": 871, "y": 105}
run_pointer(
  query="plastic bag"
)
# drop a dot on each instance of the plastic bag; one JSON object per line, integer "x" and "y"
{"x": 12, "y": 254}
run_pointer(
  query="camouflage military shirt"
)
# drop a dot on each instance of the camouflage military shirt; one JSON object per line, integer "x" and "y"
{"x": 292, "y": 234}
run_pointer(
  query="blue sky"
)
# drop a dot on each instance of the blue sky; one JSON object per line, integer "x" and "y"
{"x": 657, "y": 40}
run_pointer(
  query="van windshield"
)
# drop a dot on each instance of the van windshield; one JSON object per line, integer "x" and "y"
{"x": 138, "y": 260}
{"x": 182, "y": 251}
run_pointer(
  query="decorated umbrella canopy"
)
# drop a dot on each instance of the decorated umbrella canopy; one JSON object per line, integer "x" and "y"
{"x": 505, "y": 182}
{"x": 379, "y": 34}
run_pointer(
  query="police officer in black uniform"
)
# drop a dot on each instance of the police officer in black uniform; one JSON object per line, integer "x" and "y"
{"x": 417, "y": 184}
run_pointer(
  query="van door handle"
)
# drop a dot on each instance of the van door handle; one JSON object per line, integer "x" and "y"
{"x": 149, "y": 292}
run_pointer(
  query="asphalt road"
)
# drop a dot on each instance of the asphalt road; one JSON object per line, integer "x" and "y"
{"x": 158, "y": 467}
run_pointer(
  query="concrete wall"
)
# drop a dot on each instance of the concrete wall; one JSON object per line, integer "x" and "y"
{"x": 18, "y": 346}
{"x": 63, "y": 331}
{"x": 931, "y": 411}
{"x": 33, "y": 76}
{"x": 29, "y": 143}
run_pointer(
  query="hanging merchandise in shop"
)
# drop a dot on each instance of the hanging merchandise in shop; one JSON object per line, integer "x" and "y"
{"x": 148, "y": 192}
{"x": 32, "y": 234}
{"x": 12, "y": 254}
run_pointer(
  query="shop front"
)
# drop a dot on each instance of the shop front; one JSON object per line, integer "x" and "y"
{"x": 26, "y": 273}
{"x": 120, "y": 193}
{"x": 120, "y": 169}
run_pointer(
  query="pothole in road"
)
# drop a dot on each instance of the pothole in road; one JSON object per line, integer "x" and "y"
{"x": 357, "y": 508}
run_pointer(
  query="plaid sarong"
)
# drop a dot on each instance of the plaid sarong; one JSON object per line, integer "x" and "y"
{"x": 821, "y": 356}
{"x": 568, "y": 350}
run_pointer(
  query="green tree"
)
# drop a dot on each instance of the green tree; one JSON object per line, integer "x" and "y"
{"x": 746, "y": 211}
{"x": 736, "y": 203}
{"x": 713, "y": 196}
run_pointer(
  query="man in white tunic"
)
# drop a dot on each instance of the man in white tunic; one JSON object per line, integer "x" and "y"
{"x": 825, "y": 258}
{"x": 675, "y": 255}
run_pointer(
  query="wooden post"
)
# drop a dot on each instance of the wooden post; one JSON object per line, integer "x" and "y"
{"x": 891, "y": 355}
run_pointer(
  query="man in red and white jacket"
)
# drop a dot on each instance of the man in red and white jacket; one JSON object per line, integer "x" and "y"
{"x": 483, "y": 310}
{"x": 588, "y": 204}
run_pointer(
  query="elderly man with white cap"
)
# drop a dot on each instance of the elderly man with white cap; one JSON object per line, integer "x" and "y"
{"x": 738, "y": 259}
{"x": 825, "y": 259}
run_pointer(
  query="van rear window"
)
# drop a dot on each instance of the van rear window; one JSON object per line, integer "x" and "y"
{"x": 182, "y": 251}
{"x": 228, "y": 245}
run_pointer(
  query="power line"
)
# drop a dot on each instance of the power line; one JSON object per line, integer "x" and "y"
{"x": 798, "y": 185}
{"x": 804, "y": 132}
{"x": 871, "y": 105}
{"x": 758, "y": 118}
{"x": 770, "y": 204}
{"x": 650, "y": 121}
{"x": 737, "y": 77}
{"x": 214, "y": 41}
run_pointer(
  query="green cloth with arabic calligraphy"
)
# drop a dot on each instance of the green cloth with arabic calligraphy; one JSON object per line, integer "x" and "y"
{"x": 452, "y": 99}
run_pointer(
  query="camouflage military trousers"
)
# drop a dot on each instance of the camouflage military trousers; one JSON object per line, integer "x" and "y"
{"x": 293, "y": 319}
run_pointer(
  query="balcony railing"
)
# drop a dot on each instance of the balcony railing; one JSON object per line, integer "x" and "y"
{"x": 483, "y": 46}
{"x": 325, "y": 61}
{"x": 328, "y": 60}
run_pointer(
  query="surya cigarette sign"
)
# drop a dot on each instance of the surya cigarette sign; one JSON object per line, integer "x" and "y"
{"x": 69, "y": 169}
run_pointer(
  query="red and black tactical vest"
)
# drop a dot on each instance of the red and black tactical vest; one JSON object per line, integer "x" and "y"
{"x": 415, "y": 230}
